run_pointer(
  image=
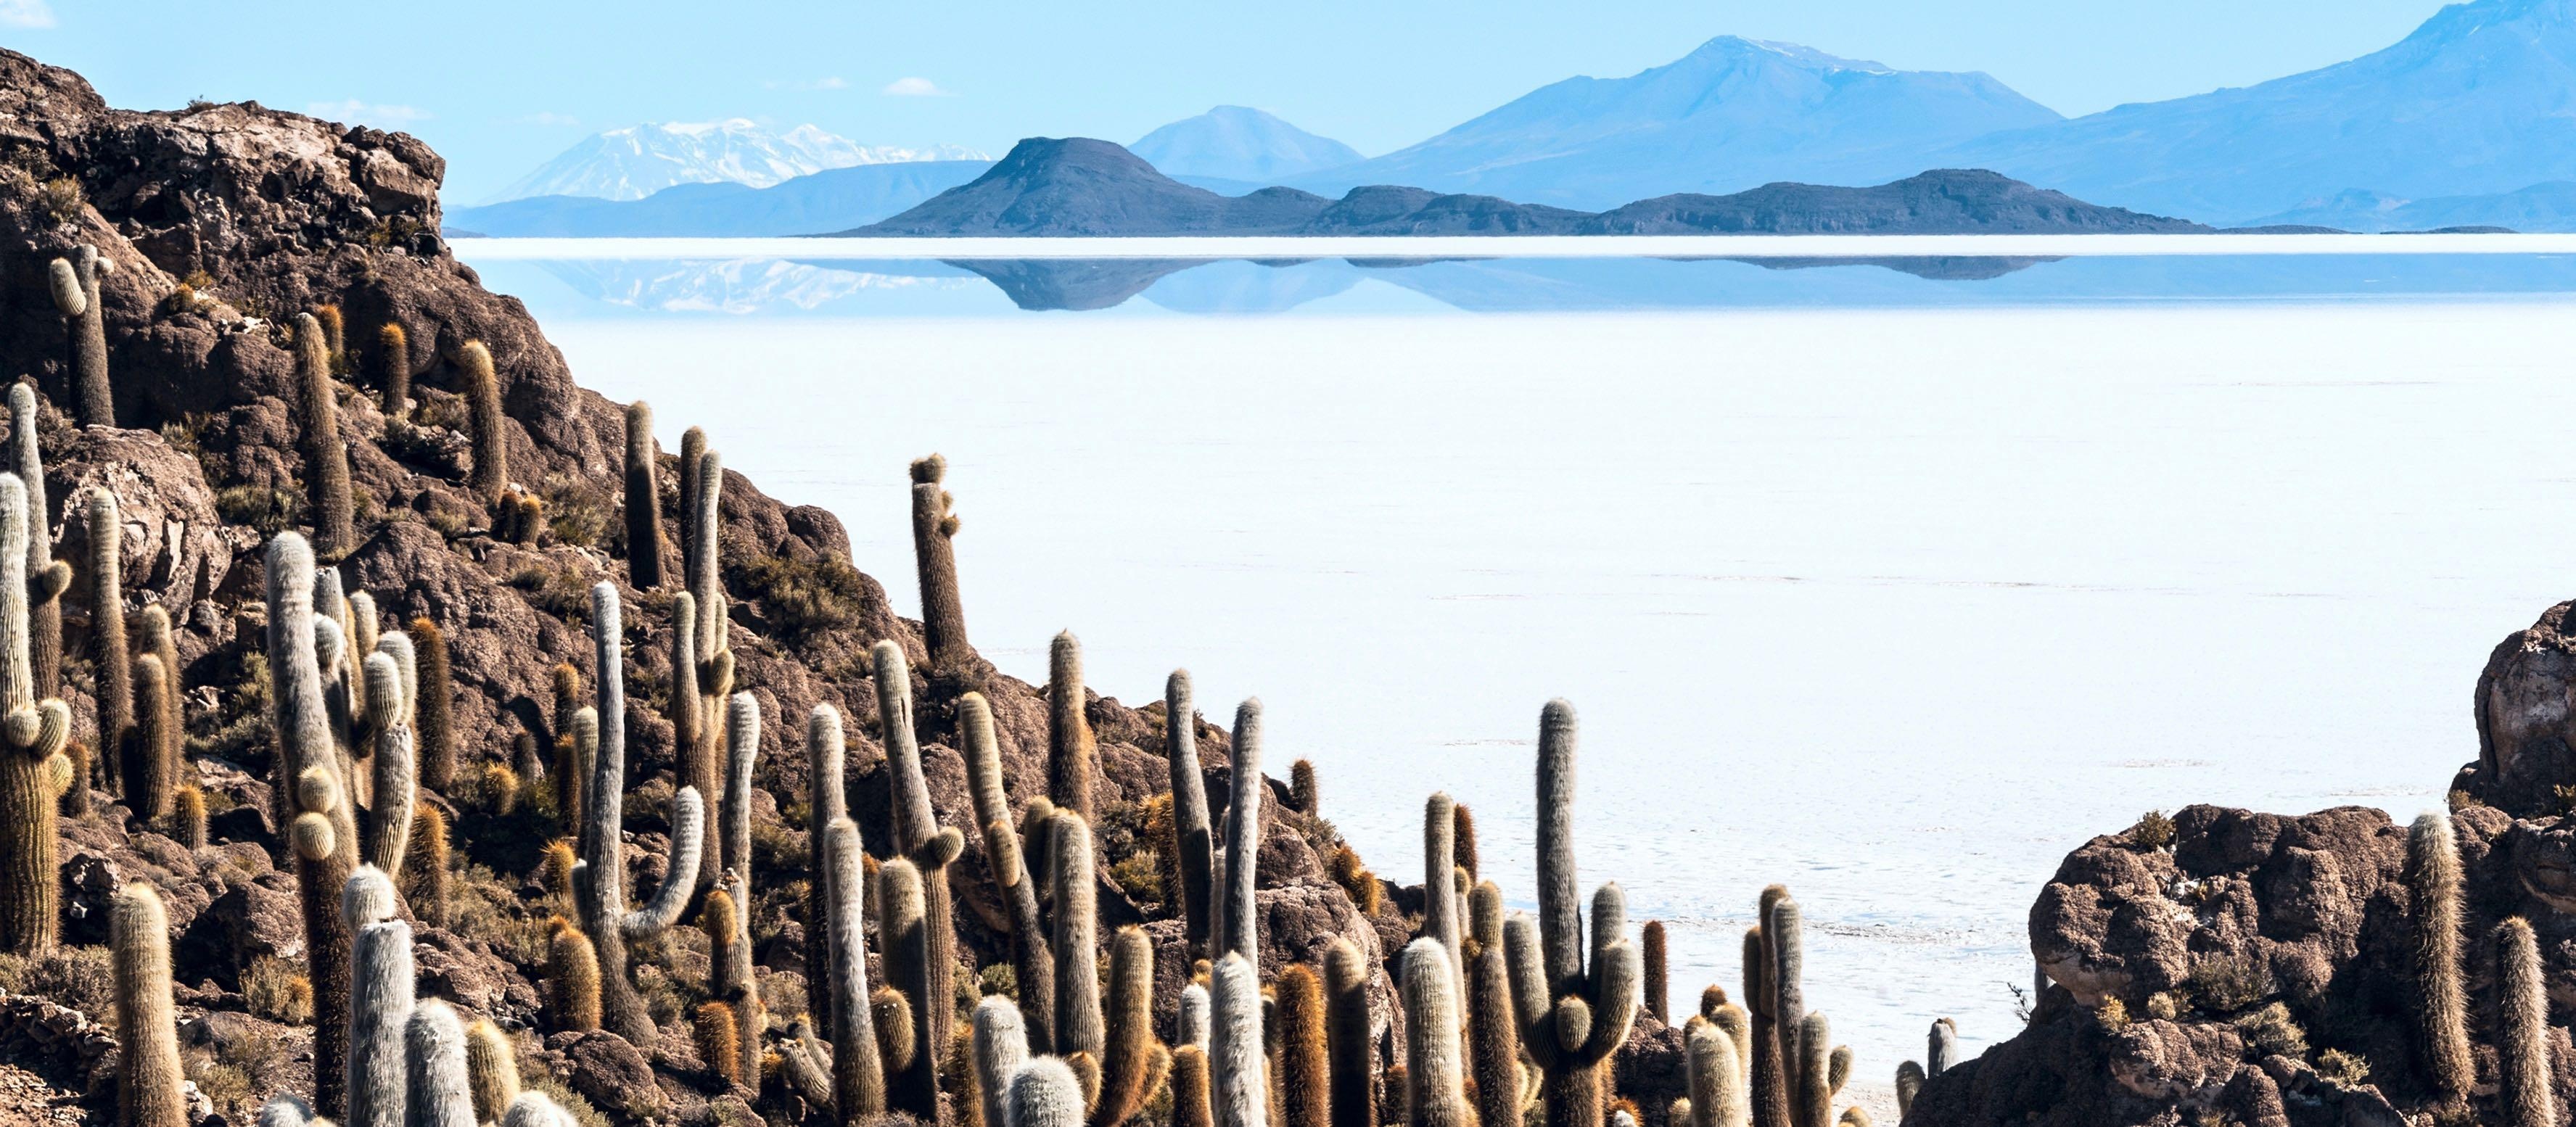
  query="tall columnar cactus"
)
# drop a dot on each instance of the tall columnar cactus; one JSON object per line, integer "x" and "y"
{"x": 1442, "y": 921}
{"x": 1133, "y": 1062}
{"x": 1718, "y": 1097}
{"x": 1235, "y": 1045}
{"x": 482, "y": 389}
{"x": 1493, "y": 1040}
{"x": 1044, "y": 1093}
{"x": 76, "y": 297}
{"x": 1434, "y": 1067}
{"x": 1821, "y": 1072}
{"x": 1190, "y": 1088}
{"x": 45, "y": 578}
{"x": 706, "y": 575}
{"x": 491, "y": 1070}
{"x": 1784, "y": 936}
{"x": 903, "y": 939}
{"x": 1347, "y": 1039}
{"x": 1763, "y": 1078}
{"x": 605, "y": 917}
{"x": 734, "y": 983}
{"x": 743, "y": 753}
{"x": 858, "y": 1076}
{"x": 1000, "y": 1047}
{"x": 1078, "y": 1022}
{"x": 393, "y": 375}
{"x": 1032, "y": 956}
{"x": 826, "y": 801}
{"x": 919, "y": 838}
{"x": 1658, "y": 981}
{"x": 433, "y": 715}
{"x": 435, "y": 1054}
{"x": 1466, "y": 846}
{"x": 1941, "y": 1047}
{"x": 109, "y": 654}
{"x": 147, "y": 1073}
{"x": 643, "y": 499}
{"x": 1303, "y": 1054}
{"x": 153, "y": 636}
{"x": 934, "y": 553}
{"x": 155, "y": 767}
{"x": 693, "y": 446}
{"x": 326, "y": 455}
{"x": 1195, "y": 844}
{"x": 2441, "y": 1015}
{"x": 380, "y": 1003}
{"x": 321, "y": 831}
{"x": 396, "y": 778}
{"x": 2523, "y": 1094}
{"x": 1072, "y": 754}
{"x": 1238, "y": 916}
{"x": 1575, "y": 1007}
{"x": 690, "y": 746}
{"x": 32, "y": 733}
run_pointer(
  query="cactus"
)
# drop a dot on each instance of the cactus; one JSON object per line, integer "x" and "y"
{"x": 1195, "y": 844}
{"x": 1574, "y": 1007}
{"x": 2523, "y": 1069}
{"x": 433, "y": 714}
{"x": 719, "y": 1040}
{"x": 1303, "y": 1054}
{"x": 389, "y": 826}
{"x": 393, "y": 374}
{"x": 1494, "y": 1045}
{"x": 1441, "y": 917}
{"x": 1347, "y": 1040}
{"x": 107, "y": 642}
{"x": 1769, "y": 1085}
{"x": 1658, "y": 983}
{"x": 536, "y": 1109}
{"x": 1032, "y": 956}
{"x": 1190, "y": 1023}
{"x": 2442, "y": 1012}
{"x": 326, "y": 454}
{"x": 643, "y": 499}
{"x": 380, "y": 1003}
{"x": 1718, "y": 1097}
{"x": 45, "y": 578}
{"x": 1044, "y": 1093}
{"x": 1190, "y": 1088}
{"x": 1942, "y": 1048}
{"x": 919, "y": 837}
{"x": 187, "y": 818}
{"x": 572, "y": 979}
{"x": 705, "y": 571}
{"x": 284, "y": 1110}
{"x": 76, "y": 297}
{"x": 1133, "y": 1064}
{"x": 1909, "y": 1083}
{"x": 903, "y": 934}
{"x": 155, "y": 744}
{"x": 482, "y": 389}
{"x": 1073, "y": 756}
{"x": 1784, "y": 940}
{"x": 1000, "y": 1047}
{"x": 605, "y": 917}
{"x": 1434, "y": 1066}
{"x": 727, "y": 922}
{"x": 1466, "y": 841}
{"x": 313, "y": 796}
{"x": 826, "y": 801}
{"x": 1821, "y": 1071}
{"x": 147, "y": 1073}
{"x": 934, "y": 530}
{"x": 1238, "y": 918}
{"x": 1078, "y": 1022}
{"x": 858, "y": 1077}
{"x": 435, "y": 1054}
{"x": 696, "y": 760}
{"x": 335, "y": 340}
{"x": 428, "y": 856}
{"x": 1235, "y": 1045}
{"x": 1301, "y": 788}
{"x": 491, "y": 1070}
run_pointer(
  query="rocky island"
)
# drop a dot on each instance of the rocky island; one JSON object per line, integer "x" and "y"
{"x": 395, "y": 734}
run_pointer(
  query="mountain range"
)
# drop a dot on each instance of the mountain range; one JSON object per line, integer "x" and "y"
{"x": 635, "y": 162}
{"x": 1238, "y": 144}
{"x": 832, "y": 200}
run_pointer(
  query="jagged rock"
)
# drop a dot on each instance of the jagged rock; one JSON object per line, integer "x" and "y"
{"x": 608, "y": 1072}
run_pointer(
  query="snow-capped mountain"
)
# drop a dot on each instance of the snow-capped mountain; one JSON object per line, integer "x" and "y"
{"x": 635, "y": 162}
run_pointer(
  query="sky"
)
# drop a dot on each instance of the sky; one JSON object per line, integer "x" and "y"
{"x": 499, "y": 87}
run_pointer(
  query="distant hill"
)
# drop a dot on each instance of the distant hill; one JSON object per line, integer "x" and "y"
{"x": 1079, "y": 186}
{"x": 833, "y": 200}
{"x": 1734, "y": 114}
{"x": 2540, "y": 207}
{"x": 2479, "y": 100}
{"x": 635, "y": 162}
{"x": 1242, "y": 144}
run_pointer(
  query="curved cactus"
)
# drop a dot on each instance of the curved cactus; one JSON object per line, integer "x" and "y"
{"x": 1238, "y": 918}
{"x": 148, "y": 1078}
{"x": 934, "y": 530}
{"x": 1072, "y": 754}
{"x": 76, "y": 297}
{"x": 1434, "y": 1072}
{"x": 2442, "y": 1028}
{"x": 482, "y": 387}
{"x": 1347, "y": 1038}
{"x": 1195, "y": 841}
{"x": 326, "y": 454}
{"x": 643, "y": 499}
{"x": 1032, "y": 953}
{"x": 1575, "y": 1006}
{"x": 605, "y": 918}
{"x": 1235, "y": 1045}
{"x": 46, "y": 579}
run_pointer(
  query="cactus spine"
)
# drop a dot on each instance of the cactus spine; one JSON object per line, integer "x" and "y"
{"x": 433, "y": 715}
{"x": 1494, "y": 1043}
{"x": 934, "y": 530}
{"x": 1441, "y": 920}
{"x": 1194, "y": 851}
{"x": 1434, "y": 1075}
{"x": 1072, "y": 754}
{"x": 1238, "y": 921}
{"x": 1234, "y": 1043}
{"x": 1032, "y": 956}
{"x": 2523, "y": 1067}
{"x": 1078, "y": 1023}
{"x": 491, "y": 472}
{"x": 1044, "y": 1093}
{"x": 858, "y": 1077}
{"x": 314, "y": 796}
{"x": 1133, "y": 1063}
{"x": 2442, "y": 1013}
{"x": 1348, "y": 1043}
{"x": 393, "y": 374}
{"x": 919, "y": 838}
{"x": 32, "y": 732}
{"x": 1574, "y": 1011}
{"x": 435, "y": 1054}
{"x": 605, "y": 917}
{"x": 107, "y": 641}
{"x": 147, "y": 1072}
{"x": 1304, "y": 1051}
{"x": 46, "y": 580}
{"x": 326, "y": 455}
{"x": 1000, "y": 1047}
{"x": 643, "y": 499}
{"x": 76, "y": 296}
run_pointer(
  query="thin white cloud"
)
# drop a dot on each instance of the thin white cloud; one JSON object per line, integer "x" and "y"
{"x": 915, "y": 88}
{"x": 356, "y": 112}
{"x": 26, "y": 13}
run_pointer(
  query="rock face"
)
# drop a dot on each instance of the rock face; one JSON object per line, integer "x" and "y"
{"x": 2264, "y": 967}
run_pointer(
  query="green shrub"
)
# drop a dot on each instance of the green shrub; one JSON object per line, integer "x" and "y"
{"x": 2154, "y": 830}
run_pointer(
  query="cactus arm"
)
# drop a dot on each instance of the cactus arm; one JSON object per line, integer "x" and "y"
{"x": 688, "y": 833}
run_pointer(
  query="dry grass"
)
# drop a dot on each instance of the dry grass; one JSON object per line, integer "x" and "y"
{"x": 804, "y": 598}
{"x": 276, "y": 990}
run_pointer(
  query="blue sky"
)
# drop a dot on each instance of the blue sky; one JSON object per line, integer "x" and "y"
{"x": 499, "y": 87}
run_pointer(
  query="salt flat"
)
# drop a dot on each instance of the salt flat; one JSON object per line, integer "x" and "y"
{"x": 1546, "y": 246}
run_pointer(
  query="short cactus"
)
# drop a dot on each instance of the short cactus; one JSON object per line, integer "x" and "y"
{"x": 1032, "y": 953}
{"x": 433, "y": 714}
{"x": 491, "y": 1070}
{"x": 934, "y": 530}
{"x": 1718, "y": 1097}
{"x": 482, "y": 387}
{"x": 1000, "y": 1047}
{"x": 1239, "y": 915}
{"x": 536, "y": 1109}
{"x": 1348, "y": 1041}
{"x": 187, "y": 816}
{"x": 1190, "y": 1023}
{"x": 76, "y": 297}
{"x": 1302, "y": 796}
{"x": 326, "y": 453}
{"x": 435, "y": 1055}
{"x": 572, "y": 979}
{"x": 2442, "y": 1030}
{"x": 393, "y": 375}
{"x": 1190, "y": 1106}
{"x": 643, "y": 499}
{"x": 1466, "y": 841}
{"x": 1044, "y": 1093}
{"x": 428, "y": 860}
{"x": 719, "y": 1040}
{"x": 1195, "y": 844}
{"x": 1434, "y": 1066}
{"x": 1909, "y": 1083}
{"x": 1942, "y": 1047}
{"x": 46, "y": 579}
{"x": 155, "y": 744}
{"x": 1072, "y": 754}
{"x": 148, "y": 1078}
{"x": 2523, "y": 1070}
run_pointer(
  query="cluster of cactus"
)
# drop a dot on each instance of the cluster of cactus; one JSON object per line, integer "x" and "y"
{"x": 76, "y": 297}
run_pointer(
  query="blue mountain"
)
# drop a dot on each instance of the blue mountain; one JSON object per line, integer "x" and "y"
{"x": 2540, "y": 207}
{"x": 1732, "y": 115}
{"x": 832, "y": 200}
{"x": 1234, "y": 143}
{"x": 2480, "y": 100}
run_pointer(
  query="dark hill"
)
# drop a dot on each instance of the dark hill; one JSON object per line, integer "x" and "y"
{"x": 1947, "y": 201}
{"x": 1080, "y": 186}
